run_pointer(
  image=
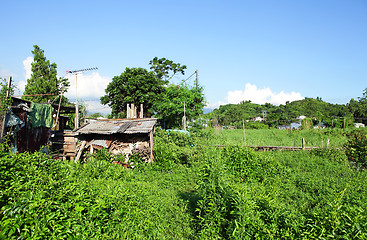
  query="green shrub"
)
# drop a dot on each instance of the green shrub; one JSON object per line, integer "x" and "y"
{"x": 172, "y": 148}
{"x": 337, "y": 155}
{"x": 356, "y": 148}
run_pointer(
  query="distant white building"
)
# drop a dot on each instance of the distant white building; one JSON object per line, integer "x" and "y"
{"x": 257, "y": 119}
{"x": 358, "y": 125}
{"x": 322, "y": 126}
{"x": 294, "y": 125}
{"x": 301, "y": 117}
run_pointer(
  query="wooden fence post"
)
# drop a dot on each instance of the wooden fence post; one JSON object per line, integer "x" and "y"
{"x": 244, "y": 133}
{"x": 303, "y": 144}
{"x": 327, "y": 144}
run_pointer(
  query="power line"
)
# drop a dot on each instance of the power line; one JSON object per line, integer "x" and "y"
{"x": 189, "y": 77}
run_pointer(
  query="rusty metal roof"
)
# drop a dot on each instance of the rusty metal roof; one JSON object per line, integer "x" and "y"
{"x": 127, "y": 126}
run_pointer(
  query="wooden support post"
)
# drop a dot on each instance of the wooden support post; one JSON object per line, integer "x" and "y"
{"x": 244, "y": 132}
{"x": 303, "y": 144}
{"x": 327, "y": 143}
{"x": 184, "y": 119}
{"x": 151, "y": 146}
{"x": 322, "y": 143}
{"x": 80, "y": 151}
{"x": 133, "y": 111}
{"x": 141, "y": 110}
{"x": 344, "y": 124}
{"x": 128, "y": 111}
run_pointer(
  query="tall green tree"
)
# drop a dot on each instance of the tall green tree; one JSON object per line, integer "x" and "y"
{"x": 165, "y": 68}
{"x": 359, "y": 108}
{"x": 134, "y": 85}
{"x": 171, "y": 107}
{"x": 44, "y": 80}
{"x": 6, "y": 92}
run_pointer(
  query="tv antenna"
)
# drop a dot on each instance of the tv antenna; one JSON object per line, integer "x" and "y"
{"x": 75, "y": 72}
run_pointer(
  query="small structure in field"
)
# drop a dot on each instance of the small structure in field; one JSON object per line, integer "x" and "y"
{"x": 293, "y": 125}
{"x": 359, "y": 125}
{"x": 119, "y": 136}
{"x": 29, "y": 124}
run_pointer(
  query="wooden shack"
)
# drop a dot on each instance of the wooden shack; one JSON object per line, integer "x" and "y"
{"x": 119, "y": 136}
{"x": 29, "y": 128}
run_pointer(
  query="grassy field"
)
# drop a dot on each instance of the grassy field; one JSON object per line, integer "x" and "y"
{"x": 275, "y": 137}
{"x": 192, "y": 191}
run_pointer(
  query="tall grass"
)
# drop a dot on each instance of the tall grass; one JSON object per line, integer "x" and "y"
{"x": 192, "y": 191}
{"x": 276, "y": 137}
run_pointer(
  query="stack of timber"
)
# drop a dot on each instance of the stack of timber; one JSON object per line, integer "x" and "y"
{"x": 64, "y": 145}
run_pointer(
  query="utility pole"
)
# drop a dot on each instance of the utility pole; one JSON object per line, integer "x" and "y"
{"x": 2, "y": 133}
{"x": 197, "y": 79}
{"x": 184, "y": 119}
{"x": 76, "y": 123}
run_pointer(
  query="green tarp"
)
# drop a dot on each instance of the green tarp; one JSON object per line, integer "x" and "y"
{"x": 41, "y": 115}
{"x": 12, "y": 119}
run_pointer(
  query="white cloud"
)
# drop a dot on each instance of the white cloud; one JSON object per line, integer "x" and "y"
{"x": 96, "y": 106}
{"x": 88, "y": 86}
{"x": 4, "y": 73}
{"x": 258, "y": 96}
{"x": 215, "y": 105}
{"x": 28, "y": 67}
{"x": 20, "y": 86}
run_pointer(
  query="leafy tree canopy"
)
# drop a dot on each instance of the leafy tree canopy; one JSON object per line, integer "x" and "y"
{"x": 166, "y": 69}
{"x": 359, "y": 108}
{"x": 134, "y": 85}
{"x": 6, "y": 92}
{"x": 171, "y": 106}
{"x": 44, "y": 79}
{"x": 233, "y": 114}
{"x": 138, "y": 85}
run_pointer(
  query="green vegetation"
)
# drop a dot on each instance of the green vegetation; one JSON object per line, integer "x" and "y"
{"x": 6, "y": 92}
{"x": 177, "y": 98}
{"x": 332, "y": 115}
{"x": 134, "y": 85}
{"x": 151, "y": 88}
{"x": 276, "y": 137}
{"x": 44, "y": 80}
{"x": 192, "y": 191}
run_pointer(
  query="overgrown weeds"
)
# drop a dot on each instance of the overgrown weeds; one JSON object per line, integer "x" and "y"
{"x": 192, "y": 191}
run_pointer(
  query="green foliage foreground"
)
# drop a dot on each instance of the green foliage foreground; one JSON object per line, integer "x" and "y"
{"x": 192, "y": 191}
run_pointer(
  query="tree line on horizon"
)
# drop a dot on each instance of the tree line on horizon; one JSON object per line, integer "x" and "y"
{"x": 331, "y": 115}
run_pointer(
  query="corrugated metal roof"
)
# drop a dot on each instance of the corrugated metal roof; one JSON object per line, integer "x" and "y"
{"x": 128, "y": 126}
{"x": 140, "y": 127}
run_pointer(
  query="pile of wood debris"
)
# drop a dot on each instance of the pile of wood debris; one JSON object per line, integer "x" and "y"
{"x": 140, "y": 149}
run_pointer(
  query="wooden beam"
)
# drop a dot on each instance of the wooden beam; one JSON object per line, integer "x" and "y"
{"x": 80, "y": 151}
{"x": 151, "y": 146}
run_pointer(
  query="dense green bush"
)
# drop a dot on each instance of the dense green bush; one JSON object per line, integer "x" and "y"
{"x": 43, "y": 198}
{"x": 172, "y": 148}
{"x": 356, "y": 148}
{"x": 280, "y": 195}
{"x": 193, "y": 191}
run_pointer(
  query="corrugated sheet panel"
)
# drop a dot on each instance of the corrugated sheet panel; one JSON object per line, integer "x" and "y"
{"x": 127, "y": 126}
{"x": 140, "y": 127}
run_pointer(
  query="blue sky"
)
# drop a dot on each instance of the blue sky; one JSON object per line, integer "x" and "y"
{"x": 270, "y": 51}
